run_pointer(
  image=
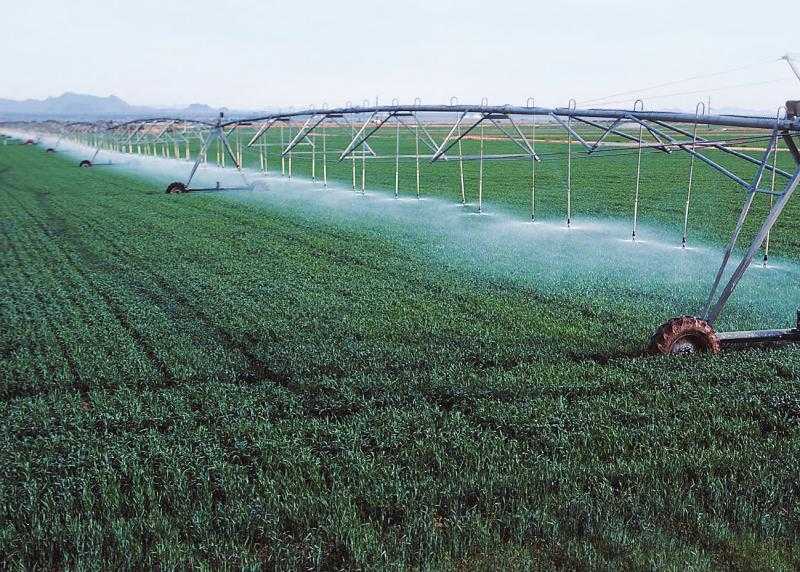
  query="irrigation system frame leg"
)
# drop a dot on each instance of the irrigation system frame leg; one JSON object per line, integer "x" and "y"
{"x": 236, "y": 163}
{"x": 755, "y": 245}
{"x": 709, "y": 314}
{"x": 217, "y": 134}
{"x": 703, "y": 337}
{"x": 758, "y": 336}
{"x": 90, "y": 162}
{"x": 200, "y": 155}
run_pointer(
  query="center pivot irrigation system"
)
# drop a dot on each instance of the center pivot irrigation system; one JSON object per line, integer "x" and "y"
{"x": 601, "y": 131}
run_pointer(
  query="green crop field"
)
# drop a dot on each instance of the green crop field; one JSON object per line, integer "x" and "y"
{"x": 216, "y": 380}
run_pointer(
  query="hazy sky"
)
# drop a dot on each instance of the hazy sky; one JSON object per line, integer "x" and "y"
{"x": 255, "y": 54}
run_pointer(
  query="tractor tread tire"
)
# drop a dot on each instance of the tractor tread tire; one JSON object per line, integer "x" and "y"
{"x": 176, "y": 188}
{"x": 690, "y": 330}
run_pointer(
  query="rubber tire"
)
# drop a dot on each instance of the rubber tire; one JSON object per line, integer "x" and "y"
{"x": 49, "y": 150}
{"x": 176, "y": 188}
{"x": 684, "y": 335}
{"x": 85, "y": 163}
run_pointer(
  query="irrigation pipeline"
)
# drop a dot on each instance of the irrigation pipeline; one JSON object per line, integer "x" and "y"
{"x": 653, "y": 131}
{"x": 753, "y": 122}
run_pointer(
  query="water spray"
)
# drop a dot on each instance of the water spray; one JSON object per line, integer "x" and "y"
{"x": 677, "y": 335}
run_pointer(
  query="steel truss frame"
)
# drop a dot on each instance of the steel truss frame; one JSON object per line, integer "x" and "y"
{"x": 666, "y": 132}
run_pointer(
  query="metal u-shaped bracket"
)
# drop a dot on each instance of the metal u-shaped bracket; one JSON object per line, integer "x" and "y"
{"x": 324, "y": 151}
{"x": 531, "y": 103}
{"x": 484, "y": 104}
{"x": 453, "y": 102}
{"x": 571, "y": 105}
{"x": 310, "y": 135}
{"x": 348, "y": 104}
{"x": 417, "y": 103}
{"x": 283, "y": 157}
{"x": 765, "y": 260}
{"x": 364, "y": 103}
{"x": 638, "y": 105}
{"x": 697, "y": 112}
{"x": 396, "y": 103}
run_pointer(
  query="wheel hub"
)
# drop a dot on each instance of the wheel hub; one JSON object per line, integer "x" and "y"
{"x": 687, "y": 345}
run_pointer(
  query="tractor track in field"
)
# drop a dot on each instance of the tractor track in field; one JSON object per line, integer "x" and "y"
{"x": 391, "y": 274}
{"x": 114, "y": 310}
{"x": 18, "y": 392}
{"x": 256, "y": 369}
{"x": 433, "y": 290}
{"x": 312, "y": 247}
{"x": 336, "y": 255}
{"x": 72, "y": 368}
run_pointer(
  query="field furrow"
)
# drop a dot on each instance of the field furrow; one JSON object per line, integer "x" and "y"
{"x": 223, "y": 380}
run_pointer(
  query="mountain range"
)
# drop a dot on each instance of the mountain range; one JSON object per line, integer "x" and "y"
{"x": 77, "y": 106}
{"x": 81, "y": 106}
